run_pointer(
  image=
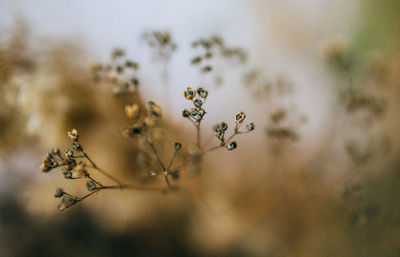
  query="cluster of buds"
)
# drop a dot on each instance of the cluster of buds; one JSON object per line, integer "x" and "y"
{"x": 221, "y": 128}
{"x": 143, "y": 118}
{"x": 162, "y": 44}
{"x": 73, "y": 167}
{"x": 215, "y": 46}
{"x": 357, "y": 101}
{"x": 121, "y": 73}
{"x": 77, "y": 170}
{"x": 67, "y": 200}
{"x": 196, "y": 113}
{"x": 73, "y": 135}
{"x": 49, "y": 161}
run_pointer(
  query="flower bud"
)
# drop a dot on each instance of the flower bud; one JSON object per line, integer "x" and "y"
{"x": 154, "y": 109}
{"x": 231, "y": 145}
{"x": 185, "y": 113}
{"x": 189, "y": 93}
{"x": 202, "y": 92}
{"x": 198, "y": 103}
{"x": 239, "y": 117}
{"x": 177, "y": 146}
{"x": 132, "y": 111}
{"x": 76, "y": 147}
{"x": 73, "y": 135}
{"x": 250, "y": 126}
{"x": 91, "y": 186}
{"x": 69, "y": 153}
{"x": 59, "y": 193}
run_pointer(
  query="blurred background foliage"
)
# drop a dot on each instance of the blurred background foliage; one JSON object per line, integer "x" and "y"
{"x": 300, "y": 186}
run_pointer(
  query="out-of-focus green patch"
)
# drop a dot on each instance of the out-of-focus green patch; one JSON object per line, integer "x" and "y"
{"x": 377, "y": 28}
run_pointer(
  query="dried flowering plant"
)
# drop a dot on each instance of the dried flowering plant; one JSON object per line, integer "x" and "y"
{"x": 121, "y": 73}
{"x": 162, "y": 46}
{"x": 76, "y": 163}
{"x": 283, "y": 117}
{"x": 213, "y": 55}
{"x": 196, "y": 114}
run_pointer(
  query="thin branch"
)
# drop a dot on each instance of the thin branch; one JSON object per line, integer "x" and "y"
{"x": 193, "y": 122}
{"x": 86, "y": 196}
{"x": 198, "y": 134}
{"x": 227, "y": 140}
{"x": 207, "y": 142}
{"x": 172, "y": 159}
{"x": 134, "y": 187}
{"x": 100, "y": 170}
{"x": 156, "y": 153}
{"x": 95, "y": 181}
{"x": 167, "y": 181}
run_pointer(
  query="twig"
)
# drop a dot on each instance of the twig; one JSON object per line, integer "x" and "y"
{"x": 100, "y": 170}
{"x": 156, "y": 153}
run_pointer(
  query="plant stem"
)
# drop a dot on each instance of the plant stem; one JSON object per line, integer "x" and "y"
{"x": 100, "y": 170}
{"x": 156, "y": 153}
{"x": 227, "y": 140}
{"x": 198, "y": 134}
{"x": 170, "y": 163}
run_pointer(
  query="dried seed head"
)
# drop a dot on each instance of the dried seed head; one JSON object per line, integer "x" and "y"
{"x": 132, "y": 111}
{"x": 70, "y": 163}
{"x": 47, "y": 164}
{"x": 79, "y": 171}
{"x": 221, "y": 127}
{"x": 202, "y": 92}
{"x": 73, "y": 135}
{"x": 185, "y": 113}
{"x": 208, "y": 55}
{"x": 198, "y": 103}
{"x": 55, "y": 151}
{"x": 135, "y": 81}
{"x": 239, "y": 117}
{"x": 250, "y": 126}
{"x": 119, "y": 69}
{"x": 45, "y": 168}
{"x": 207, "y": 68}
{"x": 76, "y": 146}
{"x": 132, "y": 64}
{"x": 117, "y": 52}
{"x": 196, "y": 60}
{"x": 189, "y": 93}
{"x": 136, "y": 130}
{"x": 91, "y": 186}
{"x": 154, "y": 109}
{"x": 177, "y": 146}
{"x": 194, "y": 112}
{"x": 231, "y": 145}
{"x": 201, "y": 113}
{"x": 67, "y": 174}
{"x": 66, "y": 202}
{"x": 59, "y": 193}
{"x": 68, "y": 153}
